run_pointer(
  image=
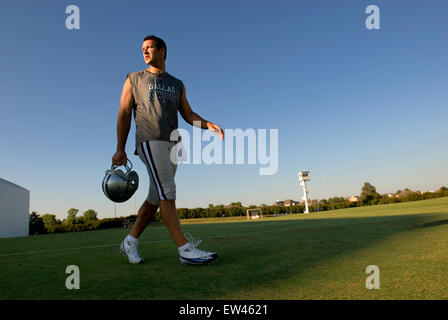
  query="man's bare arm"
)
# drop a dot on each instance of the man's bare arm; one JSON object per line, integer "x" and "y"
{"x": 192, "y": 117}
{"x": 124, "y": 123}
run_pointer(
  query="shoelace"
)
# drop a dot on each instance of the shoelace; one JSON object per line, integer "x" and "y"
{"x": 194, "y": 241}
{"x": 133, "y": 249}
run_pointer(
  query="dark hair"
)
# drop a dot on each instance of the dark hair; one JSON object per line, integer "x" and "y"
{"x": 159, "y": 42}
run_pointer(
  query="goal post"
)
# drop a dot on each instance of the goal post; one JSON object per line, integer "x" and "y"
{"x": 254, "y": 213}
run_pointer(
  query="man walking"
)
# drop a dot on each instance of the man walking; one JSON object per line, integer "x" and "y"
{"x": 155, "y": 97}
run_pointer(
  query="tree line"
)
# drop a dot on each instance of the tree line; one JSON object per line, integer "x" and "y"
{"x": 48, "y": 223}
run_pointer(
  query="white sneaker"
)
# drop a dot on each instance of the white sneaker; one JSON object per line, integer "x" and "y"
{"x": 195, "y": 256}
{"x": 130, "y": 248}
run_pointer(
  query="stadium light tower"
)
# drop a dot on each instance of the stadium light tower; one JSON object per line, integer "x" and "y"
{"x": 304, "y": 176}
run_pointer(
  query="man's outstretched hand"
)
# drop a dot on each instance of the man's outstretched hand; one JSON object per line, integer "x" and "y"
{"x": 215, "y": 129}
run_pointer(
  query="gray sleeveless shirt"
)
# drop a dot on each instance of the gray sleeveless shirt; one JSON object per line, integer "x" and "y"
{"x": 157, "y": 99}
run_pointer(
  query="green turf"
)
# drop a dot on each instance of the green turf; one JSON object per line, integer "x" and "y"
{"x": 314, "y": 256}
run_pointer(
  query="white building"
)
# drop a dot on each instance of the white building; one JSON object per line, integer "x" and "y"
{"x": 14, "y": 210}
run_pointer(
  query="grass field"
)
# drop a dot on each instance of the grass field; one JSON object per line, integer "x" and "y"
{"x": 314, "y": 256}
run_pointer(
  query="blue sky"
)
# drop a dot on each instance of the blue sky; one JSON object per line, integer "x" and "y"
{"x": 350, "y": 104}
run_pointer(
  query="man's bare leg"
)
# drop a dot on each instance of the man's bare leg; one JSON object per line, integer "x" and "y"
{"x": 169, "y": 216}
{"x": 145, "y": 214}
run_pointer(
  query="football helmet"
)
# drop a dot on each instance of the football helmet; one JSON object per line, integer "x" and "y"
{"x": 119, "y": 186}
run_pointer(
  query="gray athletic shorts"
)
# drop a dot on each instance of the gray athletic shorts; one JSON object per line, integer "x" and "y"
{"x": 155, "y": 154}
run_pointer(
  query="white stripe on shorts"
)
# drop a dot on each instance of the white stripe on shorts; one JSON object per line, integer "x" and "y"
{"x": 152, "y": 167}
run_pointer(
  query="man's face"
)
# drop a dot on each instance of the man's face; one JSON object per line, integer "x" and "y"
{"x": 151, "y": 54}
